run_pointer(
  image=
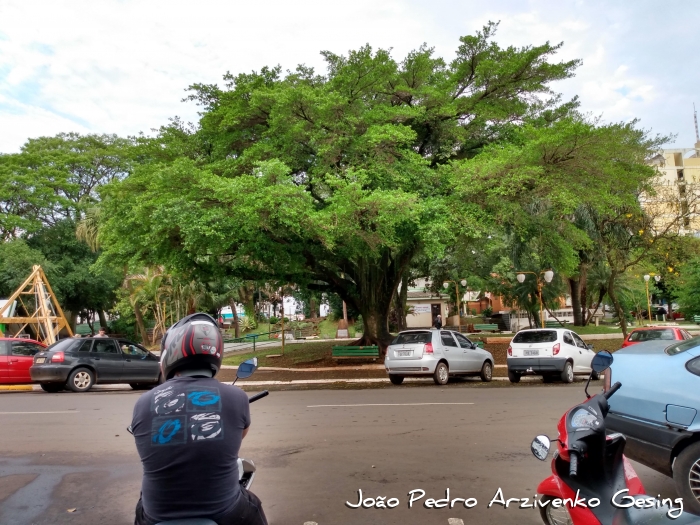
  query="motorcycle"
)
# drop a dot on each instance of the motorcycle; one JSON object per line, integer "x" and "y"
{"x": 592, "y": 482}
{"x": 246, "y": 468}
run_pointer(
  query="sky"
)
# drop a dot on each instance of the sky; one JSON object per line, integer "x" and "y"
{"x": 122, "y": 66}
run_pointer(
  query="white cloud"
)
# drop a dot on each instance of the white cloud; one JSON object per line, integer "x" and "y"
{"x": 122, "y": 65}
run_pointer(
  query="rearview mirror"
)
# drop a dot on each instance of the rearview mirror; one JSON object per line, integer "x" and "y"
{"x": 590, "y": 347}
{"x": 540, "y": 447}
{"x": 601, "y": 361}
{"x": 246, "y": 368}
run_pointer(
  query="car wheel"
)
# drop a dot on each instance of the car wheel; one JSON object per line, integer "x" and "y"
{"x": 595, "y": 376}
{"x": 554, "y": 516}
{"x": 686, "y": 475}
{"x": 395, "y": 380}
{"x": 81, "y": 380}
{"x": 441, "y": 374}
{"x": 514, "y": 377}
{"x": 567, "y": 375}
{"x": 52, "y": 388}
{"x": 486, "y": 371}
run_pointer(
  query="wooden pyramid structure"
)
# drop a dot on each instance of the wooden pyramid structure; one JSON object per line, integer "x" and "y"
{"x": 37, "y": 300}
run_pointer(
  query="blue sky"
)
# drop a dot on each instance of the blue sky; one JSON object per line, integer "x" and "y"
{"x": 121, "y": 66}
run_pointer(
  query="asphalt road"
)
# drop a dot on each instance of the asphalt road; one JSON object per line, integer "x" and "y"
{"x": 67, "y": 458}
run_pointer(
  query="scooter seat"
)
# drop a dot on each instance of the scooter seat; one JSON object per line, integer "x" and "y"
{"x": 189, "y": 521}
{"x": 633, "y": 516}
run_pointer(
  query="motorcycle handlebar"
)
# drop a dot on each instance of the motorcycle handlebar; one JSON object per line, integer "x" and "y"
{"x": 573, "y": 464}
{"x": 258, "y": 396}
{"x": 612, "y": 390}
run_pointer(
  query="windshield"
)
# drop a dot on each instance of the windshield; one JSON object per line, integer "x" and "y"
{"x": 682, "y": 347}
{"x": 652, "y": 335}
{"x": 536, "y": 336}
{"x": 408, "y": 338}
{"x": 63, "y": 344}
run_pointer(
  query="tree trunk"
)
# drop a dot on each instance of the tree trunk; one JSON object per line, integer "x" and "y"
{"x": 312, "y": 308}
{"x": 616, "y": 302}
{"x": 234, "y": 312}
{"x": 140, "y": 324}
{"x": 575, "y": 291}
{"x": 583, "y": 285}
{"x": 402, "y": 300}
{"x": 103, "y": 319}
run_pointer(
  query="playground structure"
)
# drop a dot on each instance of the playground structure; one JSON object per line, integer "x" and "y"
{"x": 36, "y": 300}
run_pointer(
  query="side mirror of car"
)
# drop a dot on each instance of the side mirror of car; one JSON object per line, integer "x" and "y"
{"x": 540, "y": 447}
{"x": 590, "y": 347}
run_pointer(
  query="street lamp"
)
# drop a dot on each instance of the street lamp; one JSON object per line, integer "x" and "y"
{"x": 547, "y": 275}
{"x": 446, "y": 285}
{"x": 646, "y": 283}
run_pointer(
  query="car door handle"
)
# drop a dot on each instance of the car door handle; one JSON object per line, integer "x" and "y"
{"x": 13, "y": 361}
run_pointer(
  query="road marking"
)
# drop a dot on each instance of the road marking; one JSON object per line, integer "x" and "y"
{"x": 387, "y": 405}
{"x": 454, "y": 521}
{"x": 55, "y": 412}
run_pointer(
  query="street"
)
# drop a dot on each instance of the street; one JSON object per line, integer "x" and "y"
{"x": 67, "y": 458}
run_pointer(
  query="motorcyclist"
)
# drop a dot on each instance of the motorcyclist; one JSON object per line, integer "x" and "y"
{"x": 188, "y": 433}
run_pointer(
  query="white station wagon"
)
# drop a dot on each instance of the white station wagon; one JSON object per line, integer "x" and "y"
{"x": 553, "y": 353}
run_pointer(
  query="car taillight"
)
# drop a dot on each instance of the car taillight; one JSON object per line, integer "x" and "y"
{"x": 608, "y": 380}
{"x": 428, "y": 348}
{"x": 510, "y": 350}
{"x": 58, "y": 357}
{"x": 555, "y": 349}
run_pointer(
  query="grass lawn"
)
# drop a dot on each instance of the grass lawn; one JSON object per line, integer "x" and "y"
{"x": 295, "y": 355}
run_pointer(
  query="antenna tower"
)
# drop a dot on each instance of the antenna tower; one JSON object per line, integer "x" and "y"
{"x": 695, "y": 117}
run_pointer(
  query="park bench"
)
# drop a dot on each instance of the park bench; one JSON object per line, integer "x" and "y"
{"x": 696, "y": 319}
{"x": 553, "y": 324}
{"x": 486, "y": 327}
{"x": 355, "y": 352}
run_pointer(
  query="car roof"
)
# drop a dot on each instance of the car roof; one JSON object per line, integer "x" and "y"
{"x": 644, "y": 328}
{"x": 647, "y": 347}
{"x": 21, "y": 339}
{"x": 560, "y": 329}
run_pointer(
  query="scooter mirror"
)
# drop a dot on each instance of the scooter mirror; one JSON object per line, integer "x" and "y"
{"x": 601, "y": 361}
{"x": 246, "y": 368}
{"x": 540, "y": 447}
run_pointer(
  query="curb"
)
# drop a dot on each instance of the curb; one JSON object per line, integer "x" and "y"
{"x": 321, "y": 369}
{"x": 17, "y": 388}
{"x": 373, "y": 380}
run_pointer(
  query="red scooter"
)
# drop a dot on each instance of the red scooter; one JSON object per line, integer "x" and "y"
{"x": 592, "y": 482}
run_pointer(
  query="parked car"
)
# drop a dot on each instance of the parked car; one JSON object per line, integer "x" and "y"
{"x": 437, "y": 353}
{"x": 553, "y": 353}
{"x": 653, "y": 333}
{"x": 79, "y": 363}
{"x": 657, "y": 410}
{"x": 16, "y": 356}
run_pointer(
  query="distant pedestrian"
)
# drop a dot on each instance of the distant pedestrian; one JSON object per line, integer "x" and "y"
{"x": 102, "y": 332}
{"x": 438, "y": 322}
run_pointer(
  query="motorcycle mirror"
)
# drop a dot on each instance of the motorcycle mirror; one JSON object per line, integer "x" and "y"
{"x": 246, "y": 368}
{"x": 130, "y": 430}
{"x": 540, "y": 447}
{"x": 601, "y": 361}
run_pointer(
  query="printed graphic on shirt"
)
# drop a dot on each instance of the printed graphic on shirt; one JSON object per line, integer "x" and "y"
{"x": 201, "y": 399}
{"x": 168, "y": 401}
{"x": 168, "y": 430}
{"x": 206, "y": 425}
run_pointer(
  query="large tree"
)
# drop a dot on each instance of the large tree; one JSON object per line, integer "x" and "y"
{"x": 331, "y": 178}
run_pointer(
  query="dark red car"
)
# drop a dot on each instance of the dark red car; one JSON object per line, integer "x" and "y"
{"x": 656, "y": 333}
{"x": 16, "y": 356}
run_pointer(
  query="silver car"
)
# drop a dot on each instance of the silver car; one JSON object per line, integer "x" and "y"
{"x": 437, "y": 353}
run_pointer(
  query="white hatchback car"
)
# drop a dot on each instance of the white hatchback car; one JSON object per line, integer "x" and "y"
{"x": 550, "y": 352}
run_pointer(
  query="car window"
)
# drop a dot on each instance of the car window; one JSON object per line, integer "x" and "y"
{"x": 407, "y": 338}
{"x": 26, "y": 349}
{"x": 536, "y": 336}
{"x": 463, "y": 341}
{"x": 104, "y": 347}
{"x": 686, "y": 335}
{"x": 65, "y": 344}
{"x": 579, "y": 341}
{"x": 4, "y": 347}
{"x": 82, "y": 346}
{"x": 652, "y": 335}
{"x": 683, "y": 346}
{"x": 129, "y": 348}
{"x": 568, "y": 340}
{"x": 447, "y": 339}
{"x": 693, "y": 366}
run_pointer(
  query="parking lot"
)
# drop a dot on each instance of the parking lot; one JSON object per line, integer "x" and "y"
{"x": 67, "y": 458}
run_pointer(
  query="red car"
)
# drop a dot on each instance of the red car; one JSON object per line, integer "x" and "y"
{"x": 16, "y": 356}
{"x": 656, "y": 333}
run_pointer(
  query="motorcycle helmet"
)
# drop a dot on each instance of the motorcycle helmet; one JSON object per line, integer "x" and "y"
{"x": 193, "y": 342}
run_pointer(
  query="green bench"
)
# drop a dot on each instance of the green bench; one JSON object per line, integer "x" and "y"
{"x": 355, "y": 352}
{"x": 486, "y": 327}
{"x": 553, "y": 324}
{"x": 696, "y": 319}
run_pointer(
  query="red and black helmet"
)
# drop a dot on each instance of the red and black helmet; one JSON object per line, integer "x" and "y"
{"x": 193, "y": 342}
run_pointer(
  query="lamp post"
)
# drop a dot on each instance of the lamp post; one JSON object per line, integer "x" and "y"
{"x": 446, "y": 285}
{"x": 548, "y": 275}
{"x": 647, "y": 277}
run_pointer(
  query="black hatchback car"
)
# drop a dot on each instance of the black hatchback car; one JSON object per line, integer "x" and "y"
{"x": 79, "y": 363}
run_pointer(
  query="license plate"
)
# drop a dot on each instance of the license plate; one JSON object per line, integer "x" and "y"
{"x": 531, "y": 352}
{"x": 405, "y": 353}
{"x": 40, "y": 360}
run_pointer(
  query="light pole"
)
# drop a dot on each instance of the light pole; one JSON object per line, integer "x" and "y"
{"x": 446, "y": 285}
{"x": 657, "y": 278}
{"x": 548, "y": 275}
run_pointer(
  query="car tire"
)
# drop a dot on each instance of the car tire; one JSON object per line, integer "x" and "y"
{"x": 81, "y": 380}
{"x": 595, "y": 376}
{"x": 514, "y": 377}
{"x": 486, "y": 373}
{"x": 52, "y": 388}
{"x": 441, "y": 375}
{"x": 567, "y": 375}
{"x": 686, "y": 470}
{"x": 395, "y": 380}
{"x": 551, "y": 515}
